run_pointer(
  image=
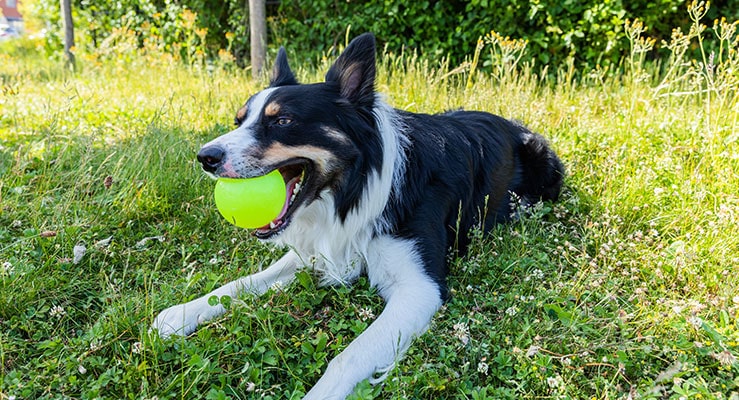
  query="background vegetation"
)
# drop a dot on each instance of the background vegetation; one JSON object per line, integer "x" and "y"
{"x": 585, "y": 33}
{"x": 626, "y": 288}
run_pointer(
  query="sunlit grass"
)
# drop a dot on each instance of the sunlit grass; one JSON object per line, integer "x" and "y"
{"x": 626, "y": 287}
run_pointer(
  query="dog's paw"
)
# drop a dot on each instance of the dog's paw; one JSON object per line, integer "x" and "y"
{"x": 183, "y": 319}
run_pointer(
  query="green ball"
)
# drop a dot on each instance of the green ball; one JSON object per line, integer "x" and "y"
{"x": 253, "y": 202}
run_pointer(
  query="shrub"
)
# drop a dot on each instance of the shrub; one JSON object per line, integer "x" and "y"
{"x": 181, "y": 29}
{"x": 585, "y": 33}
{"x": 589, "y": 32}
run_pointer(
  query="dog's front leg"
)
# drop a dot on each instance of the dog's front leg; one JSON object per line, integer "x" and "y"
{"x": 182, "y": 319}
{"x": 412, "y": 299}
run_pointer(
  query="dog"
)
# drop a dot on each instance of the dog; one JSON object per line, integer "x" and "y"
{"x": 371, "y": 190}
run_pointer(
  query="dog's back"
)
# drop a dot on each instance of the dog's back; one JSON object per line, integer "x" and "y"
{"x": 467, "y": 165}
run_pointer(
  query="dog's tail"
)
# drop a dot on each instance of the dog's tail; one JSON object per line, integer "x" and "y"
{"x": 543, "y": 172}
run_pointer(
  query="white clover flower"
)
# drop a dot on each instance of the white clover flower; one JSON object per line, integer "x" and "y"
{"x": 366, "y": 314}
{"x": 532, "y": 351}
{"x": 554, "y": 381}
{"x": 482, "y": 367}
{"x": 695, "y": 321}
{"x": 57, "y": 312}
{"x": 462, "y": 332}
{"x": 725, "y": 358}
{"x": 511, "y": 311}
{"x": 7, "y": 267}
{"x": 136, "y": 348}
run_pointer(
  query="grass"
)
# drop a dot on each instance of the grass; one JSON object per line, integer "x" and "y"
{"x": 626, "y": 288}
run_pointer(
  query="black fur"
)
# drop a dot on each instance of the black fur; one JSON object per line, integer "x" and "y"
{"x": 282, "y": 75}
{"x": 462, "y": 168}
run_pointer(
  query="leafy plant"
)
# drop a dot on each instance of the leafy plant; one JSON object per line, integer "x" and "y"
{"x": 584, "y": 33}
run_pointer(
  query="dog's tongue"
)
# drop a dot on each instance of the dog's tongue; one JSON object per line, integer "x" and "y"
{"x": 278, "y": 220}
{"x": 284, "y": 206}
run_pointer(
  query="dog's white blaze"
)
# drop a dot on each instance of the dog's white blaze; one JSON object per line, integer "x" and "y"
{"x": 256, "y": 105}
{"x": 241, "y": 140}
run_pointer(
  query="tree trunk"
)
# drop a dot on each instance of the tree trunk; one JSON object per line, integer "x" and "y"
{"x": 68, "y": 32}
{"x": 258, "y": 29}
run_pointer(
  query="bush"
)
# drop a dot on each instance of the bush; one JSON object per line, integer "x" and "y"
{"x": 176, "y": 28}
{"x": 586, "y": 33}
{"x": 589, "y": 32}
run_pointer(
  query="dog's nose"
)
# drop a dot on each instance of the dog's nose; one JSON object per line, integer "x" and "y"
{"x": 211, "y": 157}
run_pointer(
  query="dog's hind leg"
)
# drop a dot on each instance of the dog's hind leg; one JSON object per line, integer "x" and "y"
{"x": 412, "y": 298}
{"x": 182, "y": 319}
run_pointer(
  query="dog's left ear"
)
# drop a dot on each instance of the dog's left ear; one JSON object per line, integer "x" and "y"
{"x": 282, "y": 75}
{"x": 354, "y": 71}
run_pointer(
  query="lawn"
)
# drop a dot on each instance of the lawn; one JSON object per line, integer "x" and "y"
{"x": 625, "y": 288}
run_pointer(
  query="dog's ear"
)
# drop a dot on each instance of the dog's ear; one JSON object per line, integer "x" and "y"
{"x": 282, "y": 75}
{"x": 354, "y": 71}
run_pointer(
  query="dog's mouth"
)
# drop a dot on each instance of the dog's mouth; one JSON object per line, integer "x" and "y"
{"x": 296, "y": 174}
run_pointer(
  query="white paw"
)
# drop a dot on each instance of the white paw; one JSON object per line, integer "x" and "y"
{"x": 182, "y": 319}
{"x": 338, "y": 381}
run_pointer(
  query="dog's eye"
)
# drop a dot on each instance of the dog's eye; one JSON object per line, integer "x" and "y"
{"x": 283, "y": 121}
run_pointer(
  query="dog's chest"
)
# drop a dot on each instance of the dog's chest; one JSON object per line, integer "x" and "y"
{"x": 335, "y": 251}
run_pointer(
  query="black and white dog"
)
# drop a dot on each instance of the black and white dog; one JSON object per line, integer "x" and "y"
{"x": 370, "y": 190}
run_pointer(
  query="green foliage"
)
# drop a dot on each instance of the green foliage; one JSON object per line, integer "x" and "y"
{"x": 586, "y": 33}
{"x": 581, "y": 33}
{"x": 187, "y": 31}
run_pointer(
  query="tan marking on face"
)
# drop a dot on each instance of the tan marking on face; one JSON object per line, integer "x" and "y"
{"x": 241, "y": 114}
{"x": 278, "y": 152}
{"x": 272, "y": 109}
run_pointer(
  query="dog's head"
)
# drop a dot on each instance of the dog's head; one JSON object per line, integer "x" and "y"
{"x": 321, "y": 137}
